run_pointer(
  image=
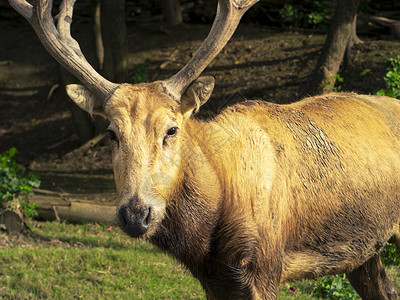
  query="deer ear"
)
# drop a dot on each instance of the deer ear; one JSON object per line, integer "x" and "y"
{"x": 197, "y": 94}
{"x": 85, "y": 99}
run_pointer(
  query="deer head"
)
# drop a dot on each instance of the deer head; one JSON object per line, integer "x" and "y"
{"x": 147, "y": 121}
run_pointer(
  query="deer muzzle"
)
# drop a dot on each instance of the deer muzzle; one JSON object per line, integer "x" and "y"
{"x": 133, "y": 219}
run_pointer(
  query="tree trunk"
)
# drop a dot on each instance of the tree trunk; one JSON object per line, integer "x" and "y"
{"x": 98, "y": 40}
{"x": 324, "y": 75}
{"x": 353, "y": 40}
{"x": 172, "y": 12}
{"x": 114, "y": 34}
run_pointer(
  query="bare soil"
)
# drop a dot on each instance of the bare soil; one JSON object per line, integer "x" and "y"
{"x": 258, "y": 63}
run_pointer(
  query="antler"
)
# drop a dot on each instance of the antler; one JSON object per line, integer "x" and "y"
{"x": 229, "y": 13}
{"x": 60, "y": 44}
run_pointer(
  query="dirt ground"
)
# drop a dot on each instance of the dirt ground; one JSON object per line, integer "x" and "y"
{"x": 258, "y": 63}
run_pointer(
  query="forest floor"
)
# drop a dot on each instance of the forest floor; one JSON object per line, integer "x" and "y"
{"x": 258, "y": 63}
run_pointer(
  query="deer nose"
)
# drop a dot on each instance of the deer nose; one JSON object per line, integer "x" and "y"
{"x": 135, "y": 221}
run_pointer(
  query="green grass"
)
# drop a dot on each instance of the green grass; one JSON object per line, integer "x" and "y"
{"x": 92, "y": 273}
{"x": 91, "y": 262}
{"x": 64, "y": 261}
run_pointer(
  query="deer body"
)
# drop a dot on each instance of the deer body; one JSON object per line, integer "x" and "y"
{"x": 274, "y": 193}
{"x": 262, "y": 193}
{"x": 265, "y": 193}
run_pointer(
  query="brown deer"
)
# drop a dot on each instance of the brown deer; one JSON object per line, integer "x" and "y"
{"x": 259, "y": 195}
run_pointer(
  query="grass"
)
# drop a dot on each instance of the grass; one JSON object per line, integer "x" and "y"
{"x": 92, "y": 261}
{"x": 92, "y": 273}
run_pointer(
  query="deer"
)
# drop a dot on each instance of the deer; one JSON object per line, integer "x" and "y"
{"x": 256, "y": 196}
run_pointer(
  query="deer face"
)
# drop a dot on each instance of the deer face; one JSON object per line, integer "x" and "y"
{"x": 147, "y": 130}
{"x": 146, "y": 133}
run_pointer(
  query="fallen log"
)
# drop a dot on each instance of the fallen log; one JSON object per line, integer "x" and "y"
{"x": 394, "y": 25}
{"x": 52, "y": 206}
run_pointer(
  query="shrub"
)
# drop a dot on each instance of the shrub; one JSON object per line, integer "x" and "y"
{"x": 334, "y": 287}
{"x": 312, "y": 15}
{"x": 141, "y": 74}
{"x": 288, "y": 14}
{"x": 392, "y": 79}
{"x": 15, "y": 184}
{"x": 390, "y": 255}
{"x": 336, "y": 80}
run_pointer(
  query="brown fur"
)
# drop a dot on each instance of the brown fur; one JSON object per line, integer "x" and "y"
{"x": 263, "y": 193}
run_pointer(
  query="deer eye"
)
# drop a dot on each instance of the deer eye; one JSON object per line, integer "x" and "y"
{"x": 172, "y": 131}
{"x": 169, "y": 134}
{"x": 112, "y": 135}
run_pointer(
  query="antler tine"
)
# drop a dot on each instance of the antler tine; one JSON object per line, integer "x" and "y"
{"x": 64, "y": 21}
{"x": 61, "y": 45}
{"x": 229, "y": 13}
{"x": 23, "y": 7}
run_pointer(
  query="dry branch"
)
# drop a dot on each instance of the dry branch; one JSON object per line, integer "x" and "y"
{"x": 89, "y": 144}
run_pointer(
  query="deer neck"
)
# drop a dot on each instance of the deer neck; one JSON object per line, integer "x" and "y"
{"x": 198, "y": 167}
{"x": 192, "y": 214}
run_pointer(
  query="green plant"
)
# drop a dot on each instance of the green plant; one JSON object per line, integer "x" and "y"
{"x": 335, "y": 287}
{"x": 141, "y": 74}
{"x": 318, "y": 15}
{"x": 288, "y": 14}
{"x": 314, "y": 18}
{"x": 392, "y": 79}
{"x": 15, "y": 184}
{"x": 312, "y": 15}
{"x": 334, "y": 80}
{"x": 390, "y": 255}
